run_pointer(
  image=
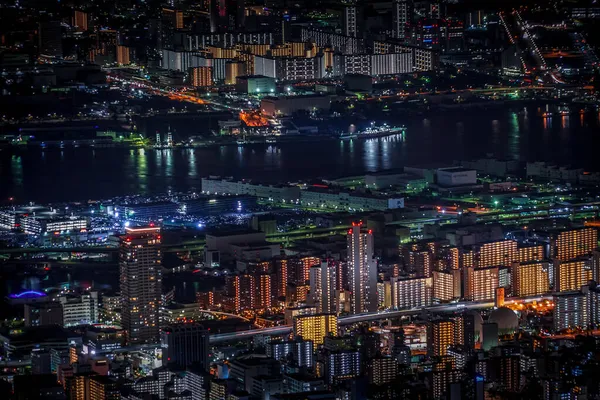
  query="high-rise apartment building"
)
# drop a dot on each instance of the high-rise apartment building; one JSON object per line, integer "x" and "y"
{"x": 402, "y": 15}
{"x": 567, "y": 245}
{"x": 412, "y": 292}
{"x": 571, "y": 310}
{"x": 323, "y": 287}
{"x": 201, "y": 76}
{"x": 501, "y": 253}
{"x": 301, "y": 351}
{"x": 362, "y": 269}
{"x": 141, "y": 282}
{"x": 440, "y": 335}
{"x": 80, "y": 20}
{"x": 315, "y": 327}
{"x": 572, "y": 275}
{"x": 530, "y": 278}
{"x": 341, "y": 365}
{"x": 382, "y": 370}
{"x": 350, "y": 15}
{"x": 444, "y": 286}
{"x": 481, "y": 283}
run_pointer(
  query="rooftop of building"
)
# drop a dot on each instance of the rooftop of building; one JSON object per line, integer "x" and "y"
{"x": 455, "y": 169}
{"x": 255, "y": 77}
{"x": 36, "y": 334}
{"x": 232, "y": 231}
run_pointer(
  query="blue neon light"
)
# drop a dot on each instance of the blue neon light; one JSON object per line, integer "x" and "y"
{"x": 28, "y": 293}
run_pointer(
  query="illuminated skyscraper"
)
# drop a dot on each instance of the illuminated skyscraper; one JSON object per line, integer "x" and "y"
{"x": 315, "y": 327}
{"x": 140, "y": 279}
{"x": 362, "y": 270}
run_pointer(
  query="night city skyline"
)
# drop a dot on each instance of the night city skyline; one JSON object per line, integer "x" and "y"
{"x": 299, "y": 200}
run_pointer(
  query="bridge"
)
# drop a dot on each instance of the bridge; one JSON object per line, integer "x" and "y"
{"x": 375, "y": 316}
{"x": 353, "y": 319}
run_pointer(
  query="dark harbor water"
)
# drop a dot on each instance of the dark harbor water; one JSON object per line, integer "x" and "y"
{"x": 515, "y": 133}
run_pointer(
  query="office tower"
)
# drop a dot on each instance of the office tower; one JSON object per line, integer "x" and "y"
{"x": 341, "y": 365}
{"x": 443, "y": 286}
{"x": 315, "y": 327}
{"x": 41, "y": 362}
{"x": 39, "y": 314}
{"x": 350, "y": 20}
{"x": 480, "y": 283}
{"x": 201, "y": 76}
{"x": 571, "y": 310}
{"x": 79, "y": 310}
{"x": 185, "y": 344}
{"x": 440, "y": 335}
{"x": 80, "y": 21}
{"x": 141, "y": 282}
{"x": 362, "y": 268}
{"x": 382, "y": 370}
{"x": 489, "y": 334}
{"x": 50, "y": 39}
{"x": 571, "y": 275}
{"x": 530, "y": 279}
{"x": 402, "y": 15}
{"x": 299, "y": 351}
{"x": 568, "y": 245}
{"x": 410, "y": 293}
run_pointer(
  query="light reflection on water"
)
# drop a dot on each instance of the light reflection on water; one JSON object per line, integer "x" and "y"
{"x": 93, "y": 173}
